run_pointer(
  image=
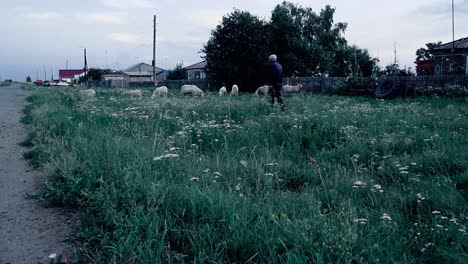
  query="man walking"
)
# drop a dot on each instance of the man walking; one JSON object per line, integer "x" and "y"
{"x": 275, "y": 81}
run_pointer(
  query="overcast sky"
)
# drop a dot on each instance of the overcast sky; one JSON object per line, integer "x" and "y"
{"x": 47, "y": 33}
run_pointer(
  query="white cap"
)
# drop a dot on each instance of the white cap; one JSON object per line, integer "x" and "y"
{"x": 273, "y": 57}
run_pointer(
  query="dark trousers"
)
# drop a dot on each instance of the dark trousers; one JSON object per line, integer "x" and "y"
{"x": 276, "y": 91}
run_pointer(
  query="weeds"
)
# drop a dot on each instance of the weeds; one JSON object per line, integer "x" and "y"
{"x": 334, "y": 180}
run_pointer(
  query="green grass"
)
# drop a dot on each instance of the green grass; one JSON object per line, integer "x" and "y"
{"x": 252, "y": 184}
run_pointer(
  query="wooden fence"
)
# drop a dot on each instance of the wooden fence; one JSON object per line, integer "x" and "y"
{"x": 340, "y": 85}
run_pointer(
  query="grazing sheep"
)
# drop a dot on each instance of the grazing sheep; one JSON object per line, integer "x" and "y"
{"x": 235, "y": 90}
{"x": 292, "y": 89}
{"x": 190, "y": 89}
{"x": 87, "y": 94}
{"x": 222, "y": 91}
{"x": 134, "y": 93}
{"x": 160, "y": 91}
{"x": 262, "y": 90}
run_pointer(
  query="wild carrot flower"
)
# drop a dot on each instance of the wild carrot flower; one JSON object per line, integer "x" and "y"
{"x": 361, "y": 221}
{"x": 377, "y": 188}
{"x": 195, "y": 179}
{"x": 359, "y": 184}
{"x": 386, "y": 217}
{"x": 243, "y": 163}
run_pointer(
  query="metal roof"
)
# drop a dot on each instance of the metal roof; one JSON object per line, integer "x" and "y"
{"x": 70, "y": 73}
{"x": 459, "y": 44}
{"x": 142, "y": 69}
{"x": 196, "y": 66}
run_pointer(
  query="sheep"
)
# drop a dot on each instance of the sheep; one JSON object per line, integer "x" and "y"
{"x": 235, "y": 90}
{"x": 134, "y": 93}
{"x": 87, "y": 94}
{"x": 222, "y": 91}
{"x": 160, "y": 91}
{"x": 262, "y": 90}
{"x": 292, "y": 89}
{"x": 190, "y": 89}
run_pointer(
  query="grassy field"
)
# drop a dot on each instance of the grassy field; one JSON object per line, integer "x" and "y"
{"x": 232, "y": 180}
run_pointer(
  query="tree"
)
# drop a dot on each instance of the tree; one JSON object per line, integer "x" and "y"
{"x": 178, "y": 73}
{"x": 28, "y": 79}
{"x": 96, "y": 74}
{"x": 237, "y": 51}
{"x": 424, "y": 53}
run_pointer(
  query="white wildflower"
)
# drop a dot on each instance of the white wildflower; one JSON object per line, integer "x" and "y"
{"x": 377, "y": 188}
{"x": 386, "y": 217}
{"x": 361, "y": 221}
{"x": 436, "y": 212}
{"x": 359, "y": 184}
{"x": 195, "y": 179}
{"x": 269, "y": 174}
{"x": 243, "y": 163}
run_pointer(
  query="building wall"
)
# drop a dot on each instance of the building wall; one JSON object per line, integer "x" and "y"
{"x": 140, "y": 78}
{"x": 196, "y": 75}
{"x": 451, "y": 63}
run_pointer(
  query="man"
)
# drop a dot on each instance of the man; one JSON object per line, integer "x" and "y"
{"x": 275, "y": 81}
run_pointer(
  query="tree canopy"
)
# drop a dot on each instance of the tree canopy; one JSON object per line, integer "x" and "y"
{"x": 178, "y": 73}
{"x": 307, "y": 44}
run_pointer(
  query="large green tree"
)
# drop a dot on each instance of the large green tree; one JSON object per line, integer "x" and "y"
{"x": 236, "y": 51}
{"x": 307, "y": 44}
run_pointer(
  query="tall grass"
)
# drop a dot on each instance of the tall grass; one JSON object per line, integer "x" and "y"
{"x": 331, "y": 180}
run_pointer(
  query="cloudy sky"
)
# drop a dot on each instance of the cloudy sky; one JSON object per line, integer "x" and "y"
{"x": 118, "y": 33}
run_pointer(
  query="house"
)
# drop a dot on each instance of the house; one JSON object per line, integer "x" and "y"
{"x": 115, "y": 80}
{"x": 451, "y": 58}
{"x": 196, "y": 71}
{"x": 70, "y": 76}
{"x": 425, "y": 67}
{"x": 141, "y": 72}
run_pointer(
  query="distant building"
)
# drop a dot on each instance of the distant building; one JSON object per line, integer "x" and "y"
{"x": 142, "y": 72}
{"x": 196, "y": 71}
{"x": 425, "y": 67}
{"x": 451, "y": 58}
{"x": 70, "y": 76}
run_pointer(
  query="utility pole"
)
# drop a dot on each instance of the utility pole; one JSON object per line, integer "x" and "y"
{"x": 154, "y": 51}
{"x": 85, "y": 68}
{"x": 45, "y": 77}
{"x": 453, "y": 26}
{"x": 107, "y": 66}
{"x": 52, "y": 74}
{"x": 395, "y": 61}
{"x": 66, "y": 67}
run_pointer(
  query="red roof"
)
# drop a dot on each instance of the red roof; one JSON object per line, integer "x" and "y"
{"x": 69, "y": 73}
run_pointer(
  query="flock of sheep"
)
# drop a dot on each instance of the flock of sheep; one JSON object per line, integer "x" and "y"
{"x": 190, "y": 89}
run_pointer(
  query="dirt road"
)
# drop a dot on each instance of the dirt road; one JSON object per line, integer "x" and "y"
{"x": 29, "y": 232}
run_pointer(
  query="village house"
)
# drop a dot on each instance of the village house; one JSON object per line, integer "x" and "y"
{"x": 143, "y": 72}
{"x": 451, "y": 58}
{"x": 69, "y": 76}
{"x": 196, "y": 71}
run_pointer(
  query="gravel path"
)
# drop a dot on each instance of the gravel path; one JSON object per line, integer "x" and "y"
{"x": 29, "y": 232}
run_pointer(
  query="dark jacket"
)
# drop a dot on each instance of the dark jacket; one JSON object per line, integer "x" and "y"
{"x": 275, "y": 75}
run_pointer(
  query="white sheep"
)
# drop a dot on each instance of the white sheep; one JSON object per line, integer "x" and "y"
{"x": 222, "y": 91}
{"x": 235, "y": 90}
{"x": 134, "y": 93}
{"x": 292, "y": 89}
{"x": 190, "y": 89}
{"x": 262, "y": 90}
{"x": 87, "y": 94}
{"x": 160, "y": 91}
